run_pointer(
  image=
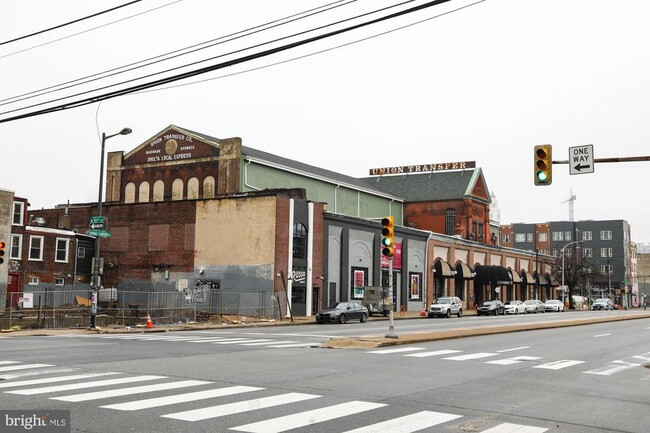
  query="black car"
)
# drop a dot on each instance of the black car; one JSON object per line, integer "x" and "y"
{"x": 341, "y": 312}
{"x": 491, "y": 307}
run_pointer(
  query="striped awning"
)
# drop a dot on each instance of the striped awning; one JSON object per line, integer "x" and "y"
{"x": 442, "y": 269}
{"x": 528, "y": 278}
{"x": 464, "y": 271}
{"x": 516, "y": 278}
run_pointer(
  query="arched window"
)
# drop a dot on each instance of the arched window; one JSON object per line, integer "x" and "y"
{"x": 193, "y": 188}
{"x": 208, "y": 187}
{"x": 129, "y": 193}
{"x": 159, "y": 190}
{"x": 299, "y": 241}
{"x": 143, "y": 196}
{"x": 450, "y": 221}
{"x": 177, "y": 189}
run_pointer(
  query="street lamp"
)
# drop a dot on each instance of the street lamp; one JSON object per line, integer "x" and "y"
{"x": 562, "y": 254}
{"x": 96, "y": 277}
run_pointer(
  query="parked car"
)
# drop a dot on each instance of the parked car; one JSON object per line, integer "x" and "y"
{"x": 534, "y": 306}
{"x": 515, "y": 307}
{"x": 341, "y": 312}
{"x": 553, "y": 305}
{"x": 446, "y": 307}
{"x": 602, "y": 304}
{"x": 490, "y": 307}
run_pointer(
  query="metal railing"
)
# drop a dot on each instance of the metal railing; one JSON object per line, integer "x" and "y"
{"x": 71, "y": 309}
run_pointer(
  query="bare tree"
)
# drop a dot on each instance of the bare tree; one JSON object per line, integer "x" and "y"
{"x": 578, "y": 269}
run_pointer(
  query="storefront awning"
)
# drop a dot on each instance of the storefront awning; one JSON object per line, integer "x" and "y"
{"x": 554, "y": 282}
{"x": 464, "y": 271}
{"x": 442, "y": 269}
{"x": 492, "y": 276}
{"x": 528, "y": 278}
{"x": 516, "y": 278}
{"x": 541, "y": 279}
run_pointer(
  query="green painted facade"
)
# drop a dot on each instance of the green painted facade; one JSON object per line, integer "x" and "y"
{"x": 341, "y": 198}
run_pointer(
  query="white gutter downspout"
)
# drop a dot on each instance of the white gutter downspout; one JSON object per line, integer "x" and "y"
{"x": 336, "y": 199}
{"x": 310, "y": 258}
{"x": 248, "y": 162}
{"x": 290, "y": 258}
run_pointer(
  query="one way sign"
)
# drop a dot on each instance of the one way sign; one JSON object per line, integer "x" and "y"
{"x": 581, "y": 159}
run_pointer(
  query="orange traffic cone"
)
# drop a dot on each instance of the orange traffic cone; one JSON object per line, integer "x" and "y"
{"x": 149, "y": 322}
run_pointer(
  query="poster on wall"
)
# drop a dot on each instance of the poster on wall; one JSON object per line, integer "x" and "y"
{"x": 415, "y": 286}
{"x": 359, "y": 284}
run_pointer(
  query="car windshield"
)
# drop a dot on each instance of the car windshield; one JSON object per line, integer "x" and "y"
{"x": 553, "y": 302}
{"x": 338, "y": 306}
{"x": 602, "y": 301}
{"x": 443, "y": 301}
{"x": 529, "y": 302}
{"x": 489, "y": 303}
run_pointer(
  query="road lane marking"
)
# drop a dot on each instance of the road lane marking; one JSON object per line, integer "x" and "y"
{"x": 107, "y": 382}
{"x": 275, "y": 345}
{"x": 27, "y": 373}
{"x": 513, "y": 349}
{"x": 558, "y": 365}
{"x": 515, "y": 428}
{"x": 642, "y": 357}
{"x": 478, "y": 355}
{"x": 515, "y": 360}
{"x": 302, "y": 419}
{"x": 24, "y": 367}
{"x": 408, "y": 424}
{"x": 614, "y": 368}
{"x": 434, "y": 353}
{"x": 240, "y": 406}
{"x": 52, "y": 379}
{"x": 232, "y": 341}
{"x": 181, "y": 398}
{"x": 398, "y": 350}
{"x": 131, "y": 390}
{"x": 8, "y": 362}
{"x": 601, "y": 335}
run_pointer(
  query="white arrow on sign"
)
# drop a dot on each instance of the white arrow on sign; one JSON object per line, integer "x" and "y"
{"x": 581, "y": 159}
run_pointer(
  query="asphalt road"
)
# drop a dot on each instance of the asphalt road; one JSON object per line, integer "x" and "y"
{"x": 587, "y": 379}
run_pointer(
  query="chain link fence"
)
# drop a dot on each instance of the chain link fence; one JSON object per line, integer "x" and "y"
{"x": 52, "y": 309}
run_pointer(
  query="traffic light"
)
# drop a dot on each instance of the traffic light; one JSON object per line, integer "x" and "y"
{"x": 543, "y": 164}
{"x": 2, "y": 252}
{"x": 388, "y": 236}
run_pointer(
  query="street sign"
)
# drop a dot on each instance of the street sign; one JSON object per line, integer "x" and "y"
{"x": 99, "y": 233}
{"x": 97, "y": 223}
{"x": 581, "y": 159}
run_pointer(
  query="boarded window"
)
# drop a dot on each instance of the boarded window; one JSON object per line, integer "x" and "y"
{"x": 143, "y": 197}
{"x": 189, "y": 237}
{"x": 193, "y": 188}
{"x": 158, "y": 237}
{"x": 177, "y": 189}
{"x": 208, "y": 187}
{"x": 159, "y": 191}
{"x": 129, "y": 193}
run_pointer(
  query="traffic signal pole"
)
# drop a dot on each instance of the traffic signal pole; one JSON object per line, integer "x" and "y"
{"x": 391, "y": 327}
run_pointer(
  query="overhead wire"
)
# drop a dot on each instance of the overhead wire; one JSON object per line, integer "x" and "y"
{"x": 68, "y": 23}
{"x": 304, "y": 56}
{"x": 188, "y": 74}
{"x": 122, "y": 69}
{"x": 88, "y": 30}
{"x": 208, "y": 59}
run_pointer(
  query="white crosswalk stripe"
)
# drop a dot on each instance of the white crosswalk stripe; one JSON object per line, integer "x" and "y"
{"x": 229, "y": 340}
{"x": 239, "y": 407}
{"x": 515, "y": 360}
{"x": 614, "y": 368}
{"x": 52, "y": 379}
{"x": 477, "y": 355}
{"x": 130, "y": 391}
{"x": 267, "y": 343}
{"x": 181, "y": 398}
{"x": 434, "y": 353}
{"x": 8, "y": 362}
{"x": 408, "y": 424}
{"x": 558, "y": 365}
{"x": 91, "y": 384}
{"x": 24, "y": 367}
{"x": 310, "y": 417}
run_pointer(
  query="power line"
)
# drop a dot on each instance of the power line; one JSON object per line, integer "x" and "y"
{"x": 208, "y": 59}
{"x": 109, "y": 73}
{"x": 88, "y": 30}
{"x": 181, "y": 76}
{"x": 68, "y": 23}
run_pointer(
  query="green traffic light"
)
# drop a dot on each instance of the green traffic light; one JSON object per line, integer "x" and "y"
{"x": 541, "y": 176}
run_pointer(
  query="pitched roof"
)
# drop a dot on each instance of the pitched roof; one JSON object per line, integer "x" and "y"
{"x": 432, "y": 186}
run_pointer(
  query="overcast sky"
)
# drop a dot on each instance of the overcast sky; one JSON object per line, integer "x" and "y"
{"x": 485, "y": 83}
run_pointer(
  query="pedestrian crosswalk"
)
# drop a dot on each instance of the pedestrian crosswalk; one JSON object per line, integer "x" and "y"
{"x": 612, "y": 368}
{"x": 212, "y": 340}
{"x": 206, "y": 401}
